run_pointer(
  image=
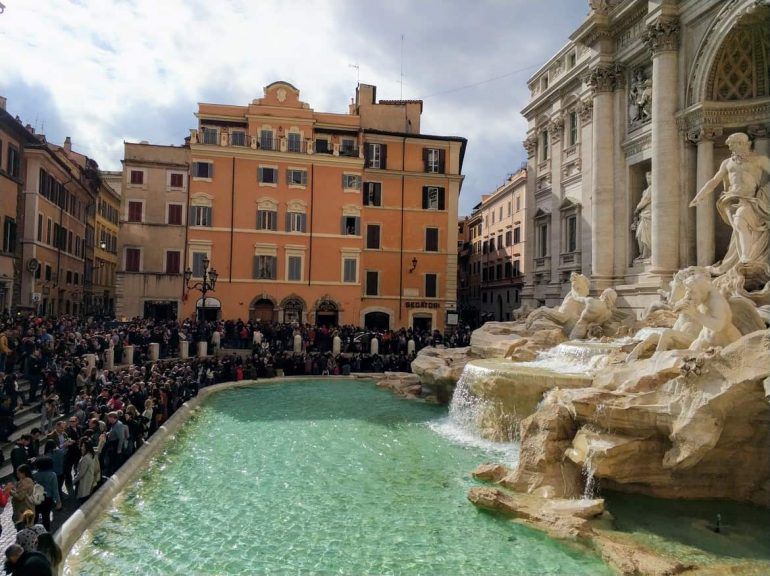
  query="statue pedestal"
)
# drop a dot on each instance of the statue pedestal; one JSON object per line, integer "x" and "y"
{"x": 154, "y": 351}
{"x": 202, "y": 349}
{"x": 109, "y": 359}
{"x": 128, "y": 355}
{"x": 184, "y": 349}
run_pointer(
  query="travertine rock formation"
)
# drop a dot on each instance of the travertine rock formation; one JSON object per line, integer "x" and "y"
{"x": 440, "y": 366}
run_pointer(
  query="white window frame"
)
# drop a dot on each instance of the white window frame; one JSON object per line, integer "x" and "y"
{"x": 207, "y": 129}
{"x": 434, "y": 160}
{"x": 210, "y": 171}
{"x": 169, "y": 174}
{"x": 128, "y": 210}
{"x": 349, "y": 257}
{"x": 433, "y": 200}
{"x": 241, "y": 133}
{"x": 295, "y": 221}
{"x": 299, "y": 141}
{"x": 141, "y": 257}
{"x": 196, "y": 219}
{"x": 260, "y": 173}
{"x": 290, "y": 172}
{"x": 266, "y": 215}
{"x": 131, "y": 170}
{"x": 348, "y": 179}
{"x": 168, "y": 213}
{"x": 195, "y": 247}
{"x": 375, "y": 155}
{"x": 292, "y": 254}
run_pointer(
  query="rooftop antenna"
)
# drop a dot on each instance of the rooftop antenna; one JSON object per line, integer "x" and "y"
{"x": 358, "y": 72}
{"x": 402, "y": 67}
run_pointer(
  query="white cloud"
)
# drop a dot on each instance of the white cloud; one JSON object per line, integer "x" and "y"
{"x": 134, "y": 70}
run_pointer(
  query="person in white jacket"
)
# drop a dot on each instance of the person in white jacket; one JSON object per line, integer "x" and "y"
{"x": 88, "y": 471}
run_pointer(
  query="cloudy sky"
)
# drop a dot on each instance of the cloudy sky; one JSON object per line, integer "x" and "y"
{"x": 107, "y": 71}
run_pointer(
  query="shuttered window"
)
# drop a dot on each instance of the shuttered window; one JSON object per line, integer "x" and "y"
{"x": 135, "y": 211}
{"x": 372, "y": 194}
{"x": 373, "y": 236}
{"x": 375, "y": 156}
{"x": 267, "y": 220}
{"x": 294, "y": 264}
{"x": 200, "y": 216}
{"x": 350, "y": 270}
{"x": 197, "y": 263}
{"x": 372, "y": 283}
{"x": 203, "y": 170}
{"x": 265, "y": 267}
{"x": 296, "y": 222}
{"x": 431, "y": 286}
{"x": 433, "y": 198}
{"x": 296, "y": 177}
{"x": 268, "y": 175}
{"x": 351, "y": 226}
{"x": 175, "y": 214}
{"x": 431, "y": 239}
{"x": 434, "y": 160}
{"x": 133, "y": 259}
{"x": 173, "y": 261}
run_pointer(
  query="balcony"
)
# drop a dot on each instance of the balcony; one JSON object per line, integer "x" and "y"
{"x": 569, "y": 260}
{"x": 543, "y": 263}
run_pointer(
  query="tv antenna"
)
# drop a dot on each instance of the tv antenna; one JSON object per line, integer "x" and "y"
{"x": 358, "y": 73}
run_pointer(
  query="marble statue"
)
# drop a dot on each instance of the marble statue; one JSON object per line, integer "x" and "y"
{"x": 571, "y": 307}
{"x": 642, "y": 225}
{"x": 596, "y": 314}
{"x": 704, "y": 303}
{"x": 744, "y": 205}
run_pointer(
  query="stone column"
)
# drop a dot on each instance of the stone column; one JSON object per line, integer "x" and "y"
{"x": 202, "y": 349}
{"x": 184, "y": 349}
{"x": 662, "y": 37}
{"x": 602, "y": 79}
{"x": 555, "y": 133}
{"x": 90, "y": 361}
{"x": 109, "y": 359}
{"x": 128, "y": 355}
{"x": 336, "y": 345}
{"x": 154, "y": 351}
{"x": 374, "y": 346}
{"x": 297, "y": 344}
{"x": 704, "y": 213}
{"x": 410, "y": 346}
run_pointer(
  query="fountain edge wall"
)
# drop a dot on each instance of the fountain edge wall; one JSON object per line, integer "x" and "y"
{"x": 72, "y": 529}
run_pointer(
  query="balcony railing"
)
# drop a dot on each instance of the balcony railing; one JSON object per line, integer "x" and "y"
{"x": 278, "y": 143}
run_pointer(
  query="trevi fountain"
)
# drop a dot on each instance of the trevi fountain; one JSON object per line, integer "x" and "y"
{"x": 668, "y": 407}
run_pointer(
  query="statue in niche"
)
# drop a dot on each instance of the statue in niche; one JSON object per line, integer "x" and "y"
{"x": 566, "y": 315}
{"x": 642, "y": 224}
{"x": 744, "y": 205}
{"x": 640, "y": 98}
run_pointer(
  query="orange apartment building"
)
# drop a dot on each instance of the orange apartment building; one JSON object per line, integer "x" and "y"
{"x": 321, "y": 217}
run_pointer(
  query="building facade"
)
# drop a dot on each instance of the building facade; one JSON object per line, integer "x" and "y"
{"x": 323, "y": 218}
{"x": 13, "y": 138}
{"x": 625, "y": 124}
{"x": 105, "y": 241}
{"x": 501, "y": 263}
{"x": 152, "y": 231}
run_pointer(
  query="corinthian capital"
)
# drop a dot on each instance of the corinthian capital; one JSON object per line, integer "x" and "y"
{"x": 662, "y": 35}
{"x": 604, "y": 78}
{"x": 585, "y": 109}
{"x": 530, "y": 145}
{"x": 556, "y": 127}
{"x": 703, "y": 133}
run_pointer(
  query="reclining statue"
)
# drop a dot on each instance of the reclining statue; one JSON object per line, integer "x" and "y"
{"x": 566, "y": 315}
{"x": 596, "y": 315}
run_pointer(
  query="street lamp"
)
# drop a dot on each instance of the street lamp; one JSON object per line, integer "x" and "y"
{"x": 207, "y": 283}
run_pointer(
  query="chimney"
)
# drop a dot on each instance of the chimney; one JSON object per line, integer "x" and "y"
{"x": 68, "y": 144}
{"x": 3, "y": 100}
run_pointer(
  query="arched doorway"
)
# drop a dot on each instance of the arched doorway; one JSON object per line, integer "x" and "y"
{"x": 262, "y": 310}
{"x": 327, "y": 313}
{"x": 377, "y": 321}
{"x": 208, "y": 310}
{"x": 293, "y": 307}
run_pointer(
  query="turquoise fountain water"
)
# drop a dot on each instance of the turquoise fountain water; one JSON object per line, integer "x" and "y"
{"x": 315, "y": 477}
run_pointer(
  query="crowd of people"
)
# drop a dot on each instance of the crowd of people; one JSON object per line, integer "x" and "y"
{"x": 93, "y": 418}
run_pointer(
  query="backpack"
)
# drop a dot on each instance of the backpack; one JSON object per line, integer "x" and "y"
{"x": 38, "y": 495}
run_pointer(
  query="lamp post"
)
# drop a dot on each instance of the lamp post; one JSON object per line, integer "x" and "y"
{"x": 206, "y": 284}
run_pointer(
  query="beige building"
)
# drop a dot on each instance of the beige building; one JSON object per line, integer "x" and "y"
{"x": 105, "y": 260}
{"x": 152, "y": 226}
{"x": 642, "y": 86}
{"x": 501, "y": 261}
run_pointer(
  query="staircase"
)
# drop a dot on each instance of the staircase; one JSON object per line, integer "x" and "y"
{"x": 26, "y": 418}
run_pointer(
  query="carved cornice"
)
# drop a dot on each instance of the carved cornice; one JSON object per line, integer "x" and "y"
{"x": 702, "y": 134}
{"x": 637, "y": 145}
{"x": 604, "y": 78}
{"x": 662, "y": 35}
{"x": 530, "y": 145}
{"x": 718, "y": 116}
{"x": 758, "y": 130}
{"x": 585, "y": 110}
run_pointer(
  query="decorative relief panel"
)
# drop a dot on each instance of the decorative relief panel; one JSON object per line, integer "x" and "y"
{"x": 639, "y": 98}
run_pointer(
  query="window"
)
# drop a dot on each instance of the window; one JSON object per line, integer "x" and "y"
{"x": 268, "y": 175}
{"x": 571, "y": 244}
{"x": 9, "y": 234}
{"x": 135, "y": 210}
{"x": 265, "y": 267}
{"x": 431, "y": 286}
{"x": 485, "y": 247}
{"x": 200, "y": 216}
{"x": 13, "y": 168}
{"x": 48, "y": 232}
{"x": 266, "y": 139}
{"x": 351, "y": 182}
{"x": 76, "y": 278}
{"x": 500, "y": 242}
{"x": 517, "y": 235}
{"x": 348, "y": 147}
{"x": 372, "y": 194}
{"x": 433, "y": 160}
{"x": 137, "y": 177}
{"x": 432, "y": 198}
{"x": 372, "y": 283}
{"x": 69, "y": 241}
{"x": 48, "y": 272}
{"x": 237, "y": 138}
{"x": 173, "y": 261}
{"x": 573, "y": 128}
{"x": 516, "y": 268}
{"x": 508, "y": 238}
{"x": 571, "y": 59}
{"x": 39, "y": 227}
{"x": 197, "y": 263}
{"x": 296, "y": 177}
{"x": 349, "y": 270}
{"x": 133, "y": 259}
{"x": 203, "y": 170}
{"x": 542, "y": 247}
{"x": 267, "y": 220}
{"x": 351, "y": 226}
{"x": 175, "y": 214}
{"x": 501, "y": 213}
{"x": 376, "y": 156}
{"x": 176, "y": 180}
{"x": 294, "y": 268}
{"x": 545, "y": 82}
{"x": 322, "y": 146}
{"x": 509, "y": 209}
{"x": 544, "y": 146}
{"x": 210, "y": 135}
{"x": 508, "y": 269}
{"x": 431, "y": 239}
{"x": 493, "y": 216}
{"x": 69, "y": 277}
{"x": 518, "y": 203}
{"x": 296, "y": 222}
{"x": 294, "y": 142}
{"x": 373, "y": 236}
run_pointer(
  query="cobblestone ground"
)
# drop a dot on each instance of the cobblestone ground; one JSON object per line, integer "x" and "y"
{"x": 8, "y": 536}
